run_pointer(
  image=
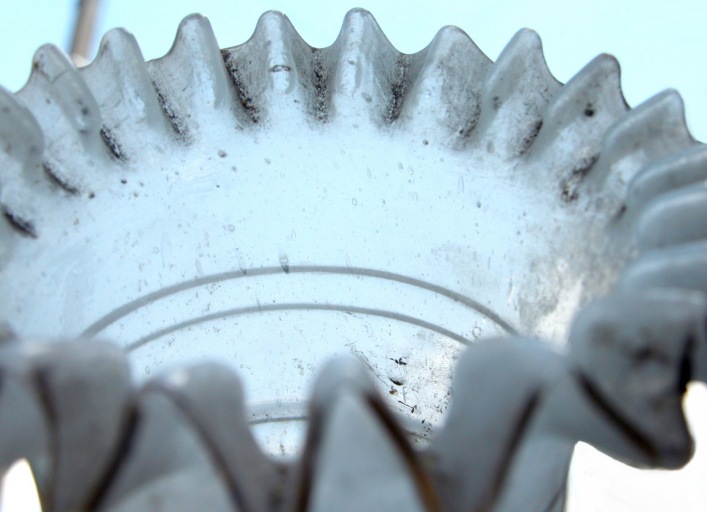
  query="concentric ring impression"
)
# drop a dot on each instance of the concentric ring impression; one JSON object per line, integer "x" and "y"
{"x": 273, "y": 205}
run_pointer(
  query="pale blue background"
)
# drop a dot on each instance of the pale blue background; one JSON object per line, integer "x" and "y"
{"x": 659, "y": 45}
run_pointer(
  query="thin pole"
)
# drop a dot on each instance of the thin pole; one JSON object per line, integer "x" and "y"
{"x": 83, "y": 31}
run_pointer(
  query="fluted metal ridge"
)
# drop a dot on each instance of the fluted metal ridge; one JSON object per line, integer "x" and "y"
{"x": 449, "y": 93}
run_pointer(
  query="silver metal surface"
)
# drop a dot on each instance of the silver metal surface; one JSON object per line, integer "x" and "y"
{"x": 272, "y": 206}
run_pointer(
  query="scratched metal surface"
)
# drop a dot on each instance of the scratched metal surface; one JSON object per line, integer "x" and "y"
{"x": 273, "y": 205}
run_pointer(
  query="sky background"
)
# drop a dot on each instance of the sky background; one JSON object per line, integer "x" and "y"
{"x": 658, "y": 44}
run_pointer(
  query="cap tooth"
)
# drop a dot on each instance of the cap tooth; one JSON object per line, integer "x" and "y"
{"x": 446, "y": 90}
{"x": 673, "y": 218}
{"x": 683, "y": 266}
{"x": 576, "y": 120}
{"x": 647, "y": 133}
{"x": 86, "y": 388}
{"x": 516, "y": 92}
{"x": 619, "y": 329}
{"x": 273, "y": 72}
{"x": 281, "y": 63}
{"x": 24, "y": 425}
{"x": 167, "y": 464}
{"x": 21, "y": 151}
{"x": 672, "y": 172}
{"x": 56, "y": 83}
{"x": 633, "y": 312}
{"x": 211, "y": 398}
{"x": 528, "y": 365}
{"x": 25, "y": 191}
{"x": 366, "y": 74}
{"x": 347, "y": 411}
{"x": 70, "y": 119}
{"x": 196, "y": 43}
{"x": 21, "y": 137}
{"x": 608, "y": 345}
{"x": 612, "y": 330}
{"x": 119, "y": 81}
{"x": 340, "y": 373}
{"x": 372, "y": 475}
{"x": 191, "y": 80}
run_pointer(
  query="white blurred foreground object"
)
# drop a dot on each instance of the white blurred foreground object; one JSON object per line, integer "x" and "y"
{"x": 274, "y": 205}
{"x": 18, "y": 491}
{"x": 642, "y": 489}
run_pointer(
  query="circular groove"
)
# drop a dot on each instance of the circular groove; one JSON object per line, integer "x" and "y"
{"x": 296, "y": 307}
{"x": 140, "y": 302}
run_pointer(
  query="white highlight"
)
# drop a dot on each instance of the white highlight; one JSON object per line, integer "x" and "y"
{"x": 598, "y": 483}
{"x": 18, "y": 492}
